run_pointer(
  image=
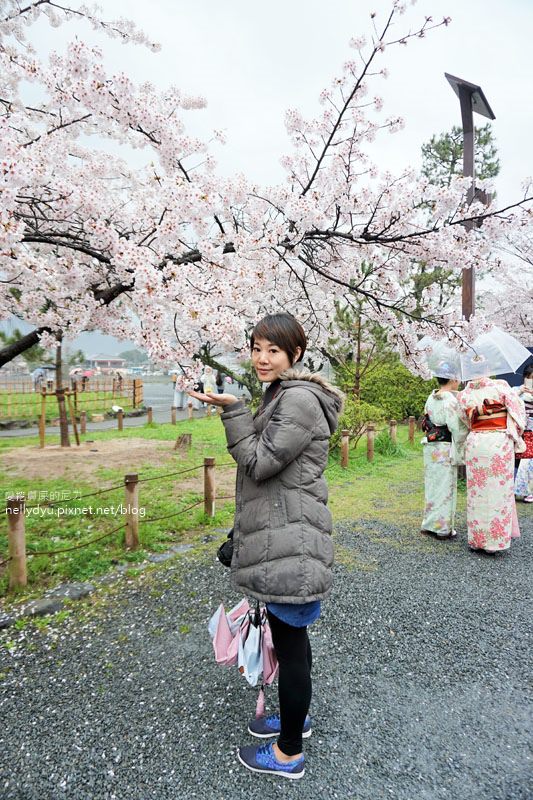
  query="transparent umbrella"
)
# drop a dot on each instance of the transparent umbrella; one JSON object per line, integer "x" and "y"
{"x": 493, "y": 353}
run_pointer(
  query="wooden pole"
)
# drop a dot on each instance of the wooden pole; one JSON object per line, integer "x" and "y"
{"x": 173, "y": 415}
{"x": 73, "y": 418}
{"x": 393, "y": 431}
{"x": 120, "y": 420}
{"x": 209, "y": 486}
{"x": 42, "y": 418}
{"x": 17, "y": 542}
{"x": 189, "y": 409}
{"x": 412, "y": 423}
{"x": 345, "y": 444}
{"x": 150, "y": 415}
{"x": 131, "y": 491}
{"x": 83, "y": 422}
{"x": 467, "y": 117}
{"x": 370, "y": 433}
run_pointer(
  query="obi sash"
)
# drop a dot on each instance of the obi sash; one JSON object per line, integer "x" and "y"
{"x": 494, "y": 417}
{"x": 490, "y": 423}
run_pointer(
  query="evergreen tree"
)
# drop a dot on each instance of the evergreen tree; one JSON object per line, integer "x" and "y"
{"x": 442, "y": 156}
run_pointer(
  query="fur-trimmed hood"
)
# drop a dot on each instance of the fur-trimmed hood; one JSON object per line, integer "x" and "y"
{"x": 330, "y": 398}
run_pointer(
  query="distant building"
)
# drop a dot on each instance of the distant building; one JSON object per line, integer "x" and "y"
{"x": 17, "y": 366}
{"x": 106, "y": 364}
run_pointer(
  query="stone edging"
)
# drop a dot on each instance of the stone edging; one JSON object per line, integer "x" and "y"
{"x": 54, "y": 599}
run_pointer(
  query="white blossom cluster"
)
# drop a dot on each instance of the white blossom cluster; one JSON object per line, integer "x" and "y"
{"x": 174, "y": 256}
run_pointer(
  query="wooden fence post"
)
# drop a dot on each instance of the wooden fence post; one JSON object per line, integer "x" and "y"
{"x": 209, "y": 486}
{"x": 83, "y": 422}
{"x": 138, "y": 392}
{"x": 173, "y": 415}
{"x": 189, "y": 409}
{"x": 150, "y": 415}
{"x": 412, "y": 422}
{"x": 345, "y": 444}
{"x": 131, "y": 487}
{"x": 17, "y": 542}
{"x": 393, "y": 431}
{"x": 370, "y": 433}
{"x": 42, "y": 418}
{"x": 120, "y": 420}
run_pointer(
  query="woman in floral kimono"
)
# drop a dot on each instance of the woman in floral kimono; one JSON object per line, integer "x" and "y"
{"x": 524, "y": 461}
{"x": 497, "y": 419}
{"x": 446, "y": 432}
{"x": 523, "y": 484}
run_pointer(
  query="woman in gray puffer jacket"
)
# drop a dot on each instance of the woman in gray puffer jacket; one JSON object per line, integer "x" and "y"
{"x": 283, "y": 552}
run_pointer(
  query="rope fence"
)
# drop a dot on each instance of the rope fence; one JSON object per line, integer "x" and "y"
{"x": 16, "y": 509}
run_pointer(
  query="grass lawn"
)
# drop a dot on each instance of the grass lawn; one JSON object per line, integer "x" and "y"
{"x": 27, "y": 405}
{"x": 390, "y": 489}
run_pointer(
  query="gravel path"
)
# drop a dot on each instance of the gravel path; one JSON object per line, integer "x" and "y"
{"x": 420, "y": 684}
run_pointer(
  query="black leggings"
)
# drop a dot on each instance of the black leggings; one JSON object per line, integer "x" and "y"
{"x": 293, "y": 651}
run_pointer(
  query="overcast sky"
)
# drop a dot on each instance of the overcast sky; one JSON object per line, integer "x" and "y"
{"x": 253, "y": 60}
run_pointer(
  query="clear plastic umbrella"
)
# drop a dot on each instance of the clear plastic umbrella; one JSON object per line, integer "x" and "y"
{"x": 493, "y": 353}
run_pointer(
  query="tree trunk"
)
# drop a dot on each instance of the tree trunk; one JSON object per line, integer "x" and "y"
{"x": 60, "y": 394}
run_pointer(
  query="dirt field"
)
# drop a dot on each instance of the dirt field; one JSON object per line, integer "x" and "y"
{"x": 129, "y": 455}
{"x": 84, "y": 461}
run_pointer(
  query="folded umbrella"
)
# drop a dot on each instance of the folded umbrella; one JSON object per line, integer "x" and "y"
{"x": 225, "y": 631}
{"x": 242, "y": 636}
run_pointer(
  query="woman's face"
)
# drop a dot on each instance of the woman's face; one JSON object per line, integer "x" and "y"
{"x": 269, "y": 360}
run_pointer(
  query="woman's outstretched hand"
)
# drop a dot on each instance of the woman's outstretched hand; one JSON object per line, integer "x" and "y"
{"x": 214, "y": 399}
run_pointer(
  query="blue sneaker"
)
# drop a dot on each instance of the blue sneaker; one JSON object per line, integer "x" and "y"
{"x": 264, "y": 727}
{"x": 261, "y": 758}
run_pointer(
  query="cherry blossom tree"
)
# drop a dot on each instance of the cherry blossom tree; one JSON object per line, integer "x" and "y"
{"x": 510, "y": 305}
{"x": 181, "y": 260}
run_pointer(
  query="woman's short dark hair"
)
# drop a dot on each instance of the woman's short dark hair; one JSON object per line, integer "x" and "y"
{"x": 528, "y": 370}
{"x": 284, "y": 331}
{"x": 444, "y": 381}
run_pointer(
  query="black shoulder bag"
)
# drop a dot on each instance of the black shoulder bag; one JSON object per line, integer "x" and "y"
{"x": 225, "y": 551}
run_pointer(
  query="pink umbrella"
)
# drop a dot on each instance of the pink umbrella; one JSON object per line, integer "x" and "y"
{"x": 242, "y": 636}
{"x": 225, "y": 631}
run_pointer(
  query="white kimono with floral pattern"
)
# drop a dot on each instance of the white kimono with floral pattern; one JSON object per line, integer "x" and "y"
{"x": 523, "y": 485}
{"x": 440, "y": 463}
{"x": 489, "y": 457}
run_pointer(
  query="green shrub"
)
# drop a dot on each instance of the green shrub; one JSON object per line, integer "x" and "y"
{"x": 397, "y": 391}
{"x": 354, "y": 418}
{"x": 384, "y": 445}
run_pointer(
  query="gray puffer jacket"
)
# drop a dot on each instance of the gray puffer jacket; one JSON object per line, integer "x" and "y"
{"x": 282, "y": 533}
